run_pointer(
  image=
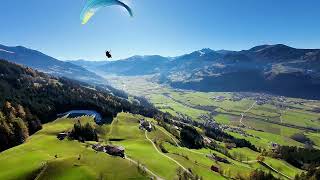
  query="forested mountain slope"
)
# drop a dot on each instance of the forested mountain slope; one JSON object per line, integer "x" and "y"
{"x": 29, "y": 98}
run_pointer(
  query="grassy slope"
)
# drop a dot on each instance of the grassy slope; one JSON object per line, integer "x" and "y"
{"x": 280, "y": 165}
{"x": 37, "y": 155}
{"x": 140, "y": 149}
{"x": 27, "y": 160}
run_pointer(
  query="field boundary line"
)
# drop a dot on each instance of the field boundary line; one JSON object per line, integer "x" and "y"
{"x": 43, "y": 170}
{"x": 275, "y": 170}
{"x": 244, "y": 112}
{"x": 148, "y": 170}
{"x": 185, "y": 169}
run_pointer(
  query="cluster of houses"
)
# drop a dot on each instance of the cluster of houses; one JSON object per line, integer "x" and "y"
{"x": 110, "y": 149}
{"x": 211, "y": 123}
{"x": 185, "y": 118}
{"x": 218, "y": 98}
{"x": 145, "y": 125}
{"x": 261, "y": 98}
{"x": 205, "y": 117}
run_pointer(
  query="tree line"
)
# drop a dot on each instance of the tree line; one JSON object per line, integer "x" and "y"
{"x": 16, "y": 124}
{"x": 219, "y": 135}
{"x": 302, "y": 158}
{"x": 83, "y": 132}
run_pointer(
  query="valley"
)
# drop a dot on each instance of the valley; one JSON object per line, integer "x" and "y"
{"x": 248, "y": 115}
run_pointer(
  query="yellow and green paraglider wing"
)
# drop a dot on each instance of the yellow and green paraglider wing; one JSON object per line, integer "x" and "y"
{"x": 92, "y": 6}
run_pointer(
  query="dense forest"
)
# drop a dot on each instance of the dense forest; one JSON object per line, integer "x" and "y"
{"x": 261, "y": 175}
{"x": 219, "y": 135}
{"x": 312, "y": 174}
{"x": 16, "y": 124}
{"x": 303, "y": 158}
{"x": 42, "y": 97}
{"x": 191, "y": 138}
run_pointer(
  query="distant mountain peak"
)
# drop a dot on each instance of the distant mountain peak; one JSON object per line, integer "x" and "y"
{"x": 205, "y": 51}
{"x": 270, "y": 47}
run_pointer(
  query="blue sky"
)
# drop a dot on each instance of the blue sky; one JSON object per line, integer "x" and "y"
{"x": 165, "y": 27}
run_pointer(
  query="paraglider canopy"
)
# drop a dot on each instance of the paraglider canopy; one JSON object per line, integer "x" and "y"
{"x": 92, "y": 6}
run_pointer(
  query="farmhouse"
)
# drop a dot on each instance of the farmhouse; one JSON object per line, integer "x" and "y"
{"x": 115, "y": 150}
{"x": 214, "y": 168}
{"x": 110, "y": 149}
{"x": 274, "y": 146}
{"x": 98, "y": 147}
{"x": 145, "y": 125}
{"x": 62, "y": 136}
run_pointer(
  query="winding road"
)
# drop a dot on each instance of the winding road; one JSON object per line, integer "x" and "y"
{"x": 244, "y": 112}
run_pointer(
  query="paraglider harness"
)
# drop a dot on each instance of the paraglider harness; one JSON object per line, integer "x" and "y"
{"x": 108, "y": 54}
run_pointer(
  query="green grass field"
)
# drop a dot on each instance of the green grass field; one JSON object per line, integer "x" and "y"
{"x": 28, "y": 160}
{"x": 36, "y": 157}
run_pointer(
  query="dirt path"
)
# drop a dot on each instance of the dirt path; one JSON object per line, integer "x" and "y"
{"x": 133, "y": 161}
{"x": 244, "y": 112}
{"x": 147, "y": 170}
{"x": 283, "y": 112}
{"x": 275, "y": 170}
{"x": 111, "y": 127}
{"x": 170, "y": 136}
{"x": 268, "y": 166}
{"x": 43, "y": 170}
{"x": 155, "y": 147}
{"x": 252, "y": 161}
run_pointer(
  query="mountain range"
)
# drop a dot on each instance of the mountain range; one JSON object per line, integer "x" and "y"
{"x": 276, "y": 69}
{"x": 42, "y": 62}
